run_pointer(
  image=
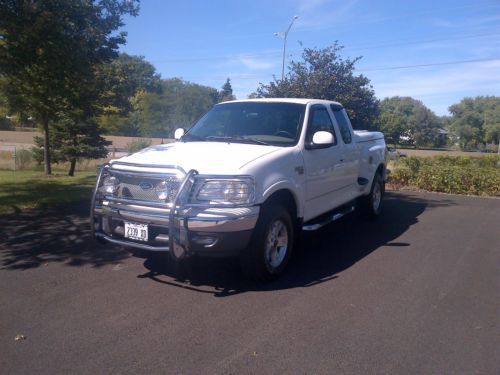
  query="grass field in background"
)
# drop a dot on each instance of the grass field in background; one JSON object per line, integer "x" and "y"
{"x": 24, "y": 161}
{"x": 31, "y": 189}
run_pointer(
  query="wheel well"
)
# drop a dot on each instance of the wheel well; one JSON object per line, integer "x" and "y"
{"x": 285, "y": 198}
{"x": 380, "y": 170}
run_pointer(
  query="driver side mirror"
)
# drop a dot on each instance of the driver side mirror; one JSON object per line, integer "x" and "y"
{"x": 179, "y": 132}
{"x": 320, "y": 140}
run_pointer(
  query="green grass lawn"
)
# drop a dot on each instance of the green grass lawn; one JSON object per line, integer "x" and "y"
{"x": 30, "y": 189}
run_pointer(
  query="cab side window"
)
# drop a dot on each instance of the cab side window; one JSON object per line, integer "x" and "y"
{"x": 345, "y": 132}
{"x": 319, "y": 120}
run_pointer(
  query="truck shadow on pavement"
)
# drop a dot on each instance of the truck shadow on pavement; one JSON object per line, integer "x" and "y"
{"x": 32, "y": 238}
{"x": 320, "y": 256}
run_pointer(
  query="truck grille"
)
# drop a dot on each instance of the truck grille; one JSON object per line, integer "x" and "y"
{"x": 134, "y": 186}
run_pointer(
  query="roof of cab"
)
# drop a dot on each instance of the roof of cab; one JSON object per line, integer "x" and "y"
{"x": 285, "y": 100}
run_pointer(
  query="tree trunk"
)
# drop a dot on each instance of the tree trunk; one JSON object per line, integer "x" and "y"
{"x": 72, "y": 167}
{"x": 46, "y": 147}
{"x": 73, "y": 159}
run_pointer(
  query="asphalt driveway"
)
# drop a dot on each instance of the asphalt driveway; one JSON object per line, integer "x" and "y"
{"x": 416, "y": 291}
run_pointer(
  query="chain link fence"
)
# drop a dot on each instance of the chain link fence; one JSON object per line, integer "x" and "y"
{"x": 20, "y": 157}
{"x": 16, "y": 157}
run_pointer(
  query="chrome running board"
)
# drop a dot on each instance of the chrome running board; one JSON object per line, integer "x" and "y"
{"x": 328, "y": 219}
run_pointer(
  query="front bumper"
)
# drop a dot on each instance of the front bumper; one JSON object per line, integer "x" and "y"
{"x": 182, "y": 231}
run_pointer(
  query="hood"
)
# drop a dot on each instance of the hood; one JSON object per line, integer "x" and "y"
{"x": 205, "y": 157}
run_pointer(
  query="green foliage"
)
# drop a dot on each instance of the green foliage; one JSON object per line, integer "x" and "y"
{"x": 226, "y": 93}
{"x": 23, "y": 159}
{"x": 450, "y": 174}
{"x": 139, "y": 104}
{"x": 5, "y": 123}
{"x": 158, "y": 114}
{"x": 476, "y": 121}
{"x": 123, "y": 78}
{"x": 126, "y": 80}
{"x": 73, "y": 141}
{"x": 324, "y": 74}
{"x": 138, "y": 144}
{"x": 49, "y": 53}
{"x": 408, "y": 121}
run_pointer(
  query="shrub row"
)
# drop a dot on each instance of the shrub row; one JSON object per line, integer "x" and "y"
{"x": 138, "y": 144}
{"x": 449, "y": 174}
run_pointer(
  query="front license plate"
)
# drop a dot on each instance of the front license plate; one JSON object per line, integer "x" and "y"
{"x": 136, "y": 231}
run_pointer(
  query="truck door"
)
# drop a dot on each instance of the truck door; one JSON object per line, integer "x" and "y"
{"x": 350, "y": 151}
{"x": 323, "y": 166}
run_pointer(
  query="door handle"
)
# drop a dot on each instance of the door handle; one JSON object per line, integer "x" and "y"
{"x": 341, "y": 160}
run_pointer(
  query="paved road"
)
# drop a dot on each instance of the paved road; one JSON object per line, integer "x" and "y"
{"x": 414, "y": 292}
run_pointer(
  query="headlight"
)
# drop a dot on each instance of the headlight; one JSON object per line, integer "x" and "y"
{"x": 110, "y": 184}
{"x": 166, "y": 189}
{"x": 162, "y": 190}
{"x": 231, "y": 191}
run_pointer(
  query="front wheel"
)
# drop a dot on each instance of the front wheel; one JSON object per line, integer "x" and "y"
{"x": 371, "y": 205}
{"x": 271, "y": 245}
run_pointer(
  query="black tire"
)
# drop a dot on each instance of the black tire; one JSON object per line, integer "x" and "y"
{"x": 265, "y": 258}
{"x": 100, "y": 241}
{"x": 371, "y": 204}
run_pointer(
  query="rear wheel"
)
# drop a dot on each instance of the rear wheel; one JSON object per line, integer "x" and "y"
{"x": 371, "y": 205}
{"x": 271, "y": 245}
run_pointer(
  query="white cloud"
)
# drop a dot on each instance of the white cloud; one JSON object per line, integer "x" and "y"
{"x": 307, "y": 6}
{"x": 440, "y": 22}
{"x": 439, "y": 87}
{"x": 320, "y": 14}
{"x": 254, "y": 63}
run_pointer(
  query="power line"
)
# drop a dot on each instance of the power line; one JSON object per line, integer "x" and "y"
{"x": 480, "y": 6}
{"x": 455, "y": 62}
{"x": 273, "y": 53}
{"x": 403, "y": 42}
{"x": 434, "y": 11}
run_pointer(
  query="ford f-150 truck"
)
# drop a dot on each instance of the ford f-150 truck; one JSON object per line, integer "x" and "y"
{"x": 243, "y": 180}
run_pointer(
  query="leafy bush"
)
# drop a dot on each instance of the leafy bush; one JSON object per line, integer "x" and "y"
{"x": 138, "y": 144}
{"x": 23, "y": 159}
{"x": 450, "y": 174}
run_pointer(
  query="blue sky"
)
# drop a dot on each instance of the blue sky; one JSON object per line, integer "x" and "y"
{"x": 436, "y": 51}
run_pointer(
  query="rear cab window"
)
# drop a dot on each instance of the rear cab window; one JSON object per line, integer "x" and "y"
{"x": 340, "y": 117}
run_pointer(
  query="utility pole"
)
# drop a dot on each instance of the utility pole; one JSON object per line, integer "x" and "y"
{"x": 284, "y": 36}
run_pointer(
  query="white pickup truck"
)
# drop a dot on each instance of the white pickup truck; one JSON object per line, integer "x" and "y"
{"x": 244, "y": 180}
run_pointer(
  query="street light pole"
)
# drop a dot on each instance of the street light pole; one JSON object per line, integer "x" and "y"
{"x": 284, "y": 35}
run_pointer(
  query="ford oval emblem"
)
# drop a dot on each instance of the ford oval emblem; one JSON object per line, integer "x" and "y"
{"x": 146, "y": 186}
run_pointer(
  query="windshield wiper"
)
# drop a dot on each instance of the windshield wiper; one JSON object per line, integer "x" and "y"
{"x": 191, "y": 137}
{"x": 238, "y": 138}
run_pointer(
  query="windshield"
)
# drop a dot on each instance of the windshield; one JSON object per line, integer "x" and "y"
{"x": 277, "y": 124}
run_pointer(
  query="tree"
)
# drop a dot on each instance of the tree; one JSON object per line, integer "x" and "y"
{"x": 72, "y": 141}
{"x": 126, "y": 79}
{"x": 226, "y": 93}
{"x": 407, "y": 120}
{"x": 178, "y": 104}
{"x": 49, "y": 51}
{"x": 476, "y": 121}
{"x": 123, "y": 77}
{"x": 5, "y": 123}
{"x": 323, "y": 74}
